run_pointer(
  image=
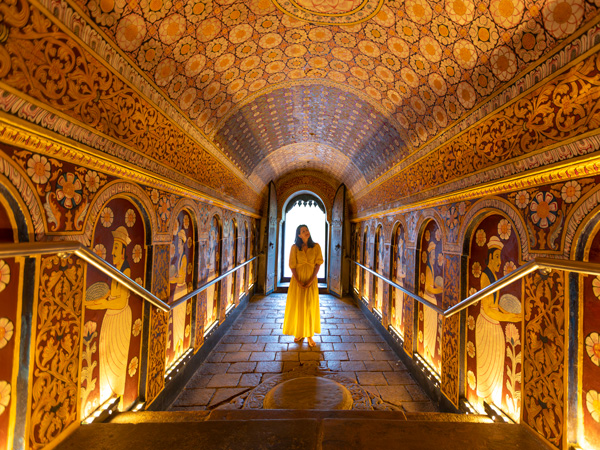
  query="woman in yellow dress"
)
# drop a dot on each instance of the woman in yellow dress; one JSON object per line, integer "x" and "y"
{"x": 302, "y": 316}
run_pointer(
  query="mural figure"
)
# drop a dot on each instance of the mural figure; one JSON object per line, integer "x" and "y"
{"x": 177, "y": 276}
{"x": 378, "y": 268}
{"x": 489, "y": 337}
{"x": 116, "y": 326}
{"x": 212, "y": 292}
{"x": 399, "y": 274}
{"x": 433, "y": 286}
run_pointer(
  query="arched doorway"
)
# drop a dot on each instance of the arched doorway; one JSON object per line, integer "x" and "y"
{"x": 303, "y": 208}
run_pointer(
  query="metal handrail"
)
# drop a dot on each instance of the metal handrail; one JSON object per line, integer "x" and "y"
{"x": 209, "y": 283}
{"x": 530, "y": 266}
{"x": 62, "y": 248}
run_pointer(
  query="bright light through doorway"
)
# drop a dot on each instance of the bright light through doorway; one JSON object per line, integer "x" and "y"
{"x": 314, "y": 219}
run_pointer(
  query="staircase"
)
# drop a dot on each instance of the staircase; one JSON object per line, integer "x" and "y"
{"x": 300, "y": 430}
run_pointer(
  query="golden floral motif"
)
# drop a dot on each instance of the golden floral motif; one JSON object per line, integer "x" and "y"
{"x": 4, "y": 274}
{"x": 592, "y": 347}
{"x": 100, "y": 250}
{"x": 471, "y": 380}
{"x": 57, "y": 333}
{"x": 504, "y": 229}
{"x": 6, "y": 331}
{"x": 571, "y": 191}
{"x": 133, "y": 366}
{"x": 471, "y": 349}
{"x": 38, "y": 169}
{"x": 509, "y": 267}
{"x": 476, "y": 269}
{"x": 5, "y": 391}
{"x": 106, "y": 217}
{"x": 69, "y": 190}
{"x": 543, "y": 355}
{"x": 480, "y": 237}
{"x": 562, "y": 17}
{"x": 592, "y": 402}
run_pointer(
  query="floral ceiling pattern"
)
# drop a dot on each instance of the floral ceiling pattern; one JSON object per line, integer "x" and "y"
{"x": 424, "y": 63}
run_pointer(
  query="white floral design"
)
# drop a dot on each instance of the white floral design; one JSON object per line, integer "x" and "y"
{"x": 92, "y": 181}
{"x": 571, "y": 191}
{"x": 592, "y": 401}
{"x": 592, "y": 347}
{"x": 509, "y": 267}
{"x": 38, "y": 169}
{"x": 504, "y": 229}
{"x": 480, "y": 237}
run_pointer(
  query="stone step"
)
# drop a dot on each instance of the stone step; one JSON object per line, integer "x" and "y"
{"x": 303, "y": 434}
{"x": 288, "y": 414}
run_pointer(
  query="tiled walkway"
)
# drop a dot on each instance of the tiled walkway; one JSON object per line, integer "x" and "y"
{"x": 255, "y": 349}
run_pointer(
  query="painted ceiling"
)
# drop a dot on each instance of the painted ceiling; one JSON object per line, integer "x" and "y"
{"x": 347, "y": 87}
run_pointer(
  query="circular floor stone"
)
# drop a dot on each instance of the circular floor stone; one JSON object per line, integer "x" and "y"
{"x": 308, "y": 393}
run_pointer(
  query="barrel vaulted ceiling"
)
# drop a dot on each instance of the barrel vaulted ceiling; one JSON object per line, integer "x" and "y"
{"x": 346, "y": 87}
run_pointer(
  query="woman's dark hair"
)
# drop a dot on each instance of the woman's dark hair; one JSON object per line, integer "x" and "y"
{"x": 298, "y": 240}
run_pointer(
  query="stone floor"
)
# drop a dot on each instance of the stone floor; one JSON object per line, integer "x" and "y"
{"x": 255, "y": 349}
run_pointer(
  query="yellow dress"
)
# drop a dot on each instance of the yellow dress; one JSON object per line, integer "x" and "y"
{"x": 302, "y": 316}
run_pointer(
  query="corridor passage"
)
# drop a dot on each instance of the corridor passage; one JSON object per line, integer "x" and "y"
{"x": 255, "y": 350}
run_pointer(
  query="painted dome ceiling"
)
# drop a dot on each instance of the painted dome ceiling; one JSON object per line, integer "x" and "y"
{"x": 347, "y": 87}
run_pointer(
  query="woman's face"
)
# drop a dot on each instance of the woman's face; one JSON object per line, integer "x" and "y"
{"x": 304, "y": 234}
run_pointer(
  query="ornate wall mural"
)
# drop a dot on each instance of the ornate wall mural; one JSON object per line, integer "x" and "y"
{"x": 113, "y": 316}
{"x": 431, "y": 287}
{"x": 494, "y": 363}
{"x": 366, "y": 276}
{"x": 379, "y": 287}
{"x": 212, "y": 271}
{"x": 181, "y": 279}
{"x": 56, "y": 338}
{"x": 398, "y": 275}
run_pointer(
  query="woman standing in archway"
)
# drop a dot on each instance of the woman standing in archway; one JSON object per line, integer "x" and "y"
{"x": 302, "y": 316}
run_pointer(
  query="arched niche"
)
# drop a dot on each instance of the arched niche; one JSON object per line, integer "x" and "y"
{"x": 243, "y": 257}
{"x": 366, "y": 261}
{"x": 493, "y": 361}
{"x": 303, "y": 208}
{"x": 211, "y": 270}
{"x": 15, "y": 305}
{"x": 378, "y": 283}
{"x": 113, "y": 317}
{"x": 182, "y": 271}
{"x": 430, "y": 279}
{"x": 584, "y": 326}
{"x": 397, "y": 275}
{"x": 230, "y": 254}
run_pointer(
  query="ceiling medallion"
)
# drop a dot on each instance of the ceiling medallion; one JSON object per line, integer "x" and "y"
{"x": 330, "y": 12}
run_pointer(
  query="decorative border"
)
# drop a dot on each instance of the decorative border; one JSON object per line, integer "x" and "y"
{"x": 583, "y": 166}
{"x": 33, "y": 140}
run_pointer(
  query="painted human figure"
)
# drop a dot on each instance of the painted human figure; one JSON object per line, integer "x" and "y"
{"x": 213, "y": 264}
{"x": 489, "y": 337}
{"x": 430, "y": 316}
{"x": 115, "y": 333}
{"x": 177, "y": 276}
{"x": 399, "y": 279}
